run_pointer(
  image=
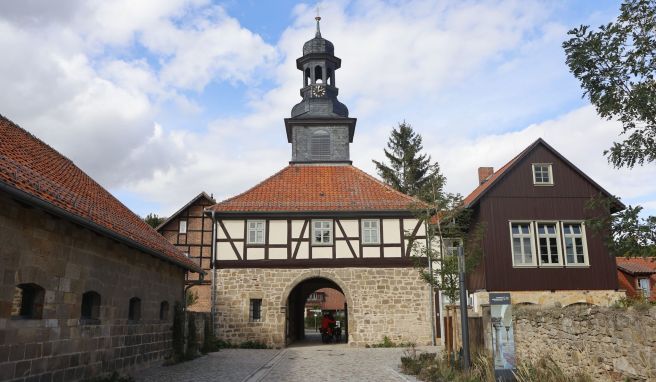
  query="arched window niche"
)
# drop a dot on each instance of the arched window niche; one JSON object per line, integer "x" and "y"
{"x": 90, "y": 309}
{"x": 27, "y": 303}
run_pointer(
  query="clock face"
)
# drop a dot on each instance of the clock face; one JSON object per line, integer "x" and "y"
{"x": 318, "y": 91}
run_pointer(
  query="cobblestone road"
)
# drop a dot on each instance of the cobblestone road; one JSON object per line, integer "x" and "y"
{"x": 301, "y": 363}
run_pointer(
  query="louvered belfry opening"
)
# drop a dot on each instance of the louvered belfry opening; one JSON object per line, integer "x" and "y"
{"x": 320, "y": 146}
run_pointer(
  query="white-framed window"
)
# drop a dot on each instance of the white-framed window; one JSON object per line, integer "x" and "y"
{"x": 183, "y": 226}
{"x": 322, "y": 232}
{"x": 548, "y": 244}
{"x": 256, "y": 231}
{"x": 371, "y": 231}
{"x": 451, "y": 246}
{"x": 576, "y": 248}
{"x": 521, "y": 238}
{"x": 644, "y": 287}
{"x": 542, "y": 174}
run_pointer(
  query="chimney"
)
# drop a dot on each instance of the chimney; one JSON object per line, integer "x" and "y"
{"x": 484, "y": 173}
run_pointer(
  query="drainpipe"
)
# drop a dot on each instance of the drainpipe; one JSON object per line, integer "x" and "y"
{"x": 213, "y": 308}
{"x": 431, "y": 290}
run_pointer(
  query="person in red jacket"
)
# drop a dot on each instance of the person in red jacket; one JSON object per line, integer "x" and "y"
{"x": 326, "y": 322}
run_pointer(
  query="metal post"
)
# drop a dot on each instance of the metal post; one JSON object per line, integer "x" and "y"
{"x": 431, "y": 300}
{"x": 464, "y": 324}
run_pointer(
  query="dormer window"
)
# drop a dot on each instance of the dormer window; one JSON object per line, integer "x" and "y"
{"x": 542, "y": 174}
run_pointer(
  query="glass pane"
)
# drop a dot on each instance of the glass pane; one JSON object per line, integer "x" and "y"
{"x": 551, "y": 229}
{"x": 366, "y": 224}
{"x": 260, "y": 236}
{"x": 544, "y": 258}
{"x": 527, "y": 247}
{"x": 515, "y": 229}
{"x": 517, "y": 246}
{"x": 518, "y": 259}
{"x": 580, "y": 259}
{"x": 251, "y": 236}
{"x": 579, "y": 245}
{"x": 553, "y": 245}
{"x": 525, "y": 228}
{"x": 570, "y": 258}
{"x": 541, "y": 228}
{"x": 569, "y": 246}
{"x": 577, "y": 229}
{"x": 554, "y": 259}
{"x": 528, "y": 258}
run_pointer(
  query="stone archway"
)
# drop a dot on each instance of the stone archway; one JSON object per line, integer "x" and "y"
{"x": 297, "y": 292}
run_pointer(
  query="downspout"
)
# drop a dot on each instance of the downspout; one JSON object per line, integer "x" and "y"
{"x": 213, "y": 298}
{"x": 431, "y": 290}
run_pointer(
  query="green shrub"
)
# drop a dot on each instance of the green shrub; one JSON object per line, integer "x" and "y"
{"x": 387, "y": 343}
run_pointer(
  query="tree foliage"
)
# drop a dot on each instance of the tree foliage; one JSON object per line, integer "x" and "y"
{"x": 154, "y": 220}
{"x": 627, "y": 234}
{"x": 616, "y": 68}
{"x": 409, "y": 171}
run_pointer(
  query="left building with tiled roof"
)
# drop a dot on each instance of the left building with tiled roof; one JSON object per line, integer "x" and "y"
{"x": 86, "y": 285}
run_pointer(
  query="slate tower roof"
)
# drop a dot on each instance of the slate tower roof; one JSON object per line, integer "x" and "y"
{"x": 319, "y": 129}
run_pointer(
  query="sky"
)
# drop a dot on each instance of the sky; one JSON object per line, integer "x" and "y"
{"x": 160, "y": 100}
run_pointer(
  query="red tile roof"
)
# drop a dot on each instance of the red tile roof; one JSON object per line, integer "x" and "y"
{"x": 32, "y": 169}
{"x": 313, "y": 188}
{"x": 637, "y": 265}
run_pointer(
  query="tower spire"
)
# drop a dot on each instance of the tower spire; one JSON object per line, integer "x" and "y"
{"x": 318, "y": 18}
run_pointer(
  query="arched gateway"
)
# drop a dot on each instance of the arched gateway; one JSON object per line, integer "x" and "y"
{"x": 318, "y": 222}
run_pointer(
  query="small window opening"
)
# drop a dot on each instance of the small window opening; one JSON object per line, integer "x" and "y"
{"x": 90, "y": 306}
{"x": 255, "y": 311}
{"x": 183, "y": 226}
{"x": 318, "y": 74}
{"x": 28, "y": 301}
{"x": 320, "y": 145}
{"x": 307, "y": 79}
{"x": 329, "y": 77}
{"x": 134, "y": 312}
{"x": 164, "y": 311}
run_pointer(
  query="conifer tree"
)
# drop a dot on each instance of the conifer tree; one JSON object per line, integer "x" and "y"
{"x": 409, "y": 171}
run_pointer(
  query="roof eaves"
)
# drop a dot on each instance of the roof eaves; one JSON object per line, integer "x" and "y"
{"x": 176, "y": 213}
{"x": 47, "y": 206}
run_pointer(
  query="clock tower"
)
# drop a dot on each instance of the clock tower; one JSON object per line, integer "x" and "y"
{"x": 319, "y": 129}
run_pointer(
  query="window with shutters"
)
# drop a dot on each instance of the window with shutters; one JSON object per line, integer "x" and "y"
{"x": 320, "y": 145}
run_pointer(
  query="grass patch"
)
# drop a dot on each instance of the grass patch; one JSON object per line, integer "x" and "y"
{"x": 387, "y": 343}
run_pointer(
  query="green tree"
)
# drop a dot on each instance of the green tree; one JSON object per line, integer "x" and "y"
{"x": 153, "y": 220}
{"x": 627, "y": 234}
{"x": 617, "y": 71}
{"x": 409, "y": 171}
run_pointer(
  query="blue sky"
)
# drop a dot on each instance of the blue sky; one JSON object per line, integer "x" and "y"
{"x": 159, "y": 100}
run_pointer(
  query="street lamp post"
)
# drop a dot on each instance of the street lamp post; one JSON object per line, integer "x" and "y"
{"x": 463, "y": 307}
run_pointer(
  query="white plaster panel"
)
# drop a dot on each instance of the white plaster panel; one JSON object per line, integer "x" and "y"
{"x": 391, "y": 231}
{"x": 350, "y": 227}
{"x": 322, "y": 252}
{"x": 278, "y": 253}
{"x": 343, "y": 251}
{"x": 225, "y": 252}
{"x": 235, "y": 228}
{"x": 297, "y": 225}
{"x": 371, "y": 252}
{"x": 303, "y": 251}
{"x": 392, "y": 251}
{"x": 277, "y": 231}
{"x": 255, "y": 254}
{"x": 356, "y": 247}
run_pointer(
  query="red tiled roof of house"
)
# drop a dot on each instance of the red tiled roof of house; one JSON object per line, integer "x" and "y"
{"x": 36, "y": 170}
{"x": 637, "y": 265}
{"x": 313, "y": 188}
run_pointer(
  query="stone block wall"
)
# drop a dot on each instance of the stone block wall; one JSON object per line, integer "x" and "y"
{"x": 67, "y": 261}
{"x": 606, "y": 343}
{"x": 391, "y": 302}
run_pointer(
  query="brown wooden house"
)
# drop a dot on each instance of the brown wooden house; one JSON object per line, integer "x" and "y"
{"x": 536, "y": 243}
{"x": 189, "y": 230}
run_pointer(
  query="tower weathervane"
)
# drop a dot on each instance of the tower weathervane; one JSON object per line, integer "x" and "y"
{"x": 318, "y": 18}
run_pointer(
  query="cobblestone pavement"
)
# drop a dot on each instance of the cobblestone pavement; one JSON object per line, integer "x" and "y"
{"x": 335, "y": 362}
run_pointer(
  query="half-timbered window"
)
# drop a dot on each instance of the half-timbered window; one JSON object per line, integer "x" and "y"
{"x": 542, "y": 174}
{"x": 521, "y": 236}
{"x": 183, "y": 226}
{"x": 576, "y": 248}
{"x": 255, "y": 310}
{"x": 549, "y": 244}
{"x": 371, "y": 231}
{"x": 322, "y": 232}
{"x": 28, "y": 301}
{"x": 256, "y": 232}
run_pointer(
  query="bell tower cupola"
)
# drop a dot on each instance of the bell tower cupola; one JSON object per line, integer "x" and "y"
{"x": 319, "y": 129}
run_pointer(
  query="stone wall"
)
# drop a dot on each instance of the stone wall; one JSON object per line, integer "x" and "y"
{"x": 68, "y": 260}
{"x": 606, "y": 343}
{"x": 391, "y": 302}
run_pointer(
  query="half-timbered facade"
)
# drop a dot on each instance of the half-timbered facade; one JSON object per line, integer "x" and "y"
{"x": 319, "y": 222}
{"x": 190, "y": 231}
